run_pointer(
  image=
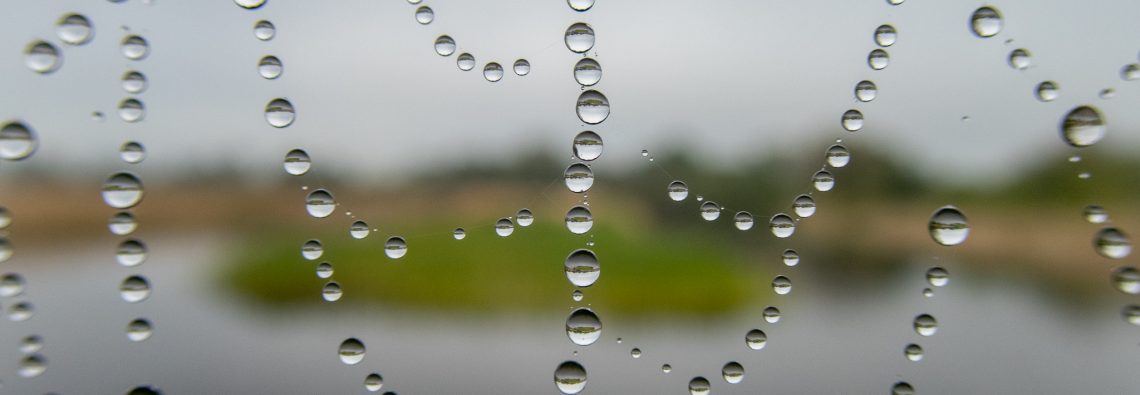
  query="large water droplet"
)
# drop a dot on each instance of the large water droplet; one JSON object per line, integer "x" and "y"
{"x": 885, "y": 35}
{"x": 132, "y": 152}
{"x": 280, "y": 113}
{"x": 838, "y": 156}
{"x": 1131, "y": 314}
{"x": 444, "y": 45}
{"x": 21, "y": 311}
{"x": 803, "y": 206}
{"x": 579, "y": 37}
{"x": 1124, "y": 278}
{"x": 424, "y": 15}
{"x": 122, "y": 224}
{"x": 396, "y": 247}
{"x": 732, "y": 372}
{"x": 852, "y": 120}
{"x": 17, "y": 141}
{"x": 925, "y": 325}
{"x": 938, "y": 276}
{"x": 504, "y": 227}
{"x": 331, "y": 292}
{"x": 1020, "y": 59}
{"x": 270, "y": 67}
{"x": 139, "y": 330}
{"x": 320, "y": 203}
{"x": 579, "y": 178}
{"x": 699, "y": 386}
{"x": 73, "y": 29}
{"x": 580, "y": 5}
{"x": 948, "y": 226}
{"x": 42, "y": 57}
{"x": 791, "y": 257}
{"x": 866, "y": 91}
{"x": 134, "y": 82}
{"x": 823, "y": 181}
{"x": 524, "y": 217}
{"x": 570, "y": 377}
{"x": 134, "y": 47}
{"x": 493, "y": 72}
{"x": 878, "y": 59}
{"x": 771, "y": 314}
{"x": 913, "y": 352}
{"x": 743, "y": 220}
{"x": 678, "y": 191}
{"x": 986, "y": 22}
{"x": 781, "y": 285}
{"x": 756, "y": 339}
{"x": 312, "y": 250}
{"x": 1082, "y": 127}
{"x": 710, "y": 211}
{"x": 297, "y": 162}
{"x": 587, "y": 72}
{"x": 782, "y": 225}
{"x": 373, "y": 382}
{"x": 324, "y": 270}
{"x": 358, "y": 230}
{"x": 902, "y": 388}
{"x": 521, "y": 67}
{"x": 583, "y": 327}
{"x": 579, "y": 220}
{"x": 32, "y": 366}
{"x": 31, "y": 344}
{"x": 587, "y": 146}
{"x": 134, "y": 289}
{"x": 131, "y": 252}
{"x": 459, "y": 234}
{"x": 351, "y": 351}
{"x": 1047, "y": 91}
{"x": 582, "y": 268}
{"x": 264, "y": 30}
{"x": 593, "y": 107}
{"x": 1112, "y": 243}
{"x": 465, "y": 61}
{"x": 11, "y": 284}
{"x": 250, "y": 4}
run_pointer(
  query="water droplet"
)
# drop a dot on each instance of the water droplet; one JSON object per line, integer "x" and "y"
{"x": 504, "y": 227}
{"x": 351, "y": 351}
{"x": 324, "y": 270}
{"x": 145, "y": 390}
{"x": 804, "y": 206}
{"x": 1131, "y": 314}
{"x": 986, "y": 22}
{"x": 270, "y": 67}
{"x": 635, "y": 353}
{"x": 781, "y": 285}
{"x": 582, "y": 268}
{"x": 743, "y": 220}
{"x": 424, "y": 15}
{"x": 122, "y": 223}
{"x": 131, "y": 110}
{"x": 134, "y": 289}
{"x": 580, "y": 5}
{"x": 31, "y": 344}
{"x": 938, "y": 276}
{"x": 21, "y": 311}
{"x": 579, "y": 178}
{"x": 593, "y": 107}
{"x": 331, "y": 292}
{"x": 17, "y": 141}
{"x": 733, "y": 372}
{"x": 73, "y": 29}
{"x": 587, "y": 72}
{"x": 699, "y": 386}
{"x": 666, "y": 368}
{"x": 396, "y": 247}
{"x": 444, "y": 45}
{"x": 1130, "y": 72}
{"x": 522, "y": 67}
{"x": 852, "y": 120}
{"x": 579, "y": 220}
{"x": 297, "y": 162}
{"x": 11, "y": 284}
{"x": 866, "y": 91}
{"x": 885, "y": 35}
{"x": 1112, "y": 243}
{"x": 570, "y": 377}
{"x": 42, "y": 57}
{"x": 373, "y": 382}
{"x": 134, "y": 47}
{"x": 1020, "y": 59}
{"x": 131, "y": 252}
{"x": 791, "y": 258}
{"x": 139, "y": 330}
{"x": 771, "y": 314}
{"x": 264, "y": 30}
{"x": 838, "y": 156}
{"x": 134, "y": 82}
{"x": 279, "y": 113}
{"x": 878, "y": 59}
{"x": 493, "y": 72}
{"x": 925, "y": 325}
{"x": 5, "y": 250}
{"x": 132, "y": 152}
{"x": 1084, "y": 175}
{"x": 460, "y": 234}
{"x": 823, "y": 181}
{"x": 1047, "y": 91}
{"x": 32, "y": 366}
{"x": 902, "y": 388}
{"x": 782, "y": 225}
{"x": 913, "y": 352}
{"x": 358, "y": 230}
{"x": 678, "y": 191}
{"x": 250, "y": 4}
{"x": 465, "y": 61}
{"x": 583, "y": 327}
{"x": 1107, "y": 93}
{"x": 644, "y": 153}
{"x": 587, "y": 146}
{"x": 320, "y": 203}
{"x": 710, "y": 211}
{"x": 312, "y": 250}
{"x": 700, "y": 198}
{"x": 927, "y": 292}
{"x": 894, "y": 2}
{"x": 579, "y": 37}
{"x": 948, "y": 226}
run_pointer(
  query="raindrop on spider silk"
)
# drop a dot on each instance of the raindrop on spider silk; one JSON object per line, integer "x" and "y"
{"x": 459, "y": 234}
{"x": 504, "y": 227}
{"x": 852, "y": 120}
{"x": 358, "y": 230}
{"x": 1124, "y": 278}
{"x": 678, "y": 191}
{"x": 134, "y": 289}
{"x": 948, "y": 226}
{"x": 122, "y": 224}
{"x": 264, "y": 30}
{"x": 74, "y": 29}
{"x": 139, "y": 330}
{"x": 885, "y": 35}
{"x": 351, "y": 351}
{"x": 521, "y": 67}
{"x": 1112, "y": 243}
{"x": 493, "y": 72}
{"x": 635, "y": 353}
{"x": 373, "y": 382}
{"x": 791, "y": 258}
{"x": 42, "y": 57}
{"x": 465, "y": 61}
{"x": 134, "y": 82}
{"x": 699, "y": 386}
{"x": 593, "y": 107}
{"x": 131, "y": 110}
{"x": 524, "y": 217}
{"x": 17, "y": 141}
{"x": 297, "y": 162}
{"x": 878, "y": 59}
{"x": 1095, "y": 214}
{"x": 587, "y": 72}
{"x": 279, "y": 113}
{"x": 587, "y": 146}
{"x": 1130, "y": 72}
{"x": 5, "y": 217}
{"x": 913, "y": 352}
{"x": 838, "y": 156}
{"x": 320, "y": 203}
{"x": 927, "y": 292}
{"x": 579, "y": 220}
{"x": 583, "y": 327}
{"x": 666, "y": 368}
{"x": 134, "y": 47}
{"x": 1131, "y": 314}
{"x": 570, "y": 377}
{"x": 894, "y": 2}
{"x": 803, "y": 206}
{"x": 925, "y": 325}
{"x": 743, "y": 220}
{"x": 1020, "y": 59}
{"x": 823, "y": 181}
{"x": 31, "y": 344}
{"x": 576, "y": 295}
{"x": 424, "y": 15}
{"x": 11, "y": 284}
{"x": 1047, "y": 91}
{"x": 270, "y": 67}
{"x": 331, "y": 292}
{"x": 579, "y": 37}
{"x": 144, "y": 390}
{"x": 21, "y": 311}
{"x": 324, "y": 270}
{"x": 732, "y": 372}
{"x": 1083, "y": 126}
{"x": 580, "y": 5}
{"x": 866, "y": 91}
{"x": 32, "y": 366}
{"x": 582, "y": 268}
{"x": 771, "y": 314}
{"x": 250, "y": 4}
{"x": 5, "y": 250}
{"x": 396, "y": 247}
{"x": 1084, "y": 175}
{"x": 312, "y": 250}
{"x": 644, "y": 153}
{"x": 902, "y": 388}
{"x": 132, "y": 152}
{"x": 782, "y": 225}
{"x": 710, "y": 211}
{"x": 938, "y": 276}
{"x": 579, "y": 178}
{"x": 131, "y": 252}
{"x": 781, "y": 285}
{"x": 444, "y": 45}
{"x": 986, "y": 22}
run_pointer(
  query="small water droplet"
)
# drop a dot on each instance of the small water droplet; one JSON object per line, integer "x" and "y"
{"x": 522, "y": 67}
{"x": 396, "y": 247}
{"x": 134, "y": 82}
{"x": 1020, "y": 59}
{"x": 504, "y": 227}
{"x": 373, "y": 382}
{"x": 666, "y": 368}
{"x": 1107, "y": 93}
{"x": 902, "y": 388}
{"x": 781, "y": 285}
{"x": 424, "y": 15}
{"x": 1130, "y": 72}
{"x": 74, "y": 29}
{"x": 579, "y": 220}
{"x": 885, "y": 35}
{"x": 122, "y": 223}
{"x": 866, "y": 91}
{"x": 852, "y": 120}
{"x": 732, "y": 372}
{"x": 320, "y": 203}
{"x": 804, "y": 206}
{"x": 578, "y": 177}
{"x": 42, "y": 57}
{"x": 31, "y": 344}
{"x": 635, "y": 353}
{"x": 1131, "y": 314}
{"x": 782, "y": 225}
{"x": 587, "y": 72}
{"x": 700, "y": 198}
{"x": 938, "y": 276}
{"x": 351, "y": 351}
{"x": 21, "y": 311}
{"x": 582, "y": 268}
{"x": 878, "y": 59}
{"x": 331, "y": 292}
{"x": 132, "y": 152}
{"x": 139, "y": 330}
{"x": 312, "y": 250}
{"x": 444, "y": 45}
{"x": 678, "y": 191}
{"x": 279, "y": 113}
{"x": 465, "y": 61}
{"x": 524, "y": 217}
{"x": 593, "y": 107}
{"x": 131, "y": 252}
{"x": 1112, "y": 243}
{"x": 771, "y": 314}
{"x": 131, "y": 110}
{"x": 459, "y": 234}
{"x": 264, "y": 30}
{"x": 493, "y": 72}
{"x": 579, "y": 37}
{"x": 11, "y": 284}
{"x": 134, "y": 289}
{"x": 5, "y": 250}
{"x": 743, "y": 220}
{"x": 324, "y": 270}
{"x": 570, "y": 377}
{"x": 927, "y": 292}
{"x": 576, "y": 295}
{"x": 297, "y": 162}
{"x": 587, "y": 146}
{"x": 1084, "y": 175}
{"x": 791, "y": 257}
{"x": 1047, "y": 91}
{"x": 699, "y": 386}
{"x": 948, "y": 226}
{"x": 580, "y": 5}
{"x": 358, "y": 230}
{"x": 838, "y": 156}
{"x": 986, "y": 22}
{"x": 913, "y": 352}
{"x": 134, "y": 47}
{"x": 710, "y": 211}
{"x": 823, "y": 181}
{"x": 32, "y": 366}
{"x": 270, "y": 67}
{"x": 925, "y": 325}
{"x": 17, "y": 141}
{"x": 1095, "y": 214}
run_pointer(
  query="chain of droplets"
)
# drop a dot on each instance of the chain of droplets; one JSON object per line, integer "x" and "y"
{"x": 445, "y": 46}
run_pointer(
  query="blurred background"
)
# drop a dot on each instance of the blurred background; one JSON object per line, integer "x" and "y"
{"x": 739, "y": 100}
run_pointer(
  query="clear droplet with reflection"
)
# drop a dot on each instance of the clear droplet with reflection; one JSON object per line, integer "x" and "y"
{"x": 444, "y": 45}
{"x": 320, "y": 203}
{"x": 122, "y": 223}
{"x": 250, "y": 4}
{"x": 948, "y": 226}
{"x": 925, "y": 325}
{"x": 17, "y": 141}
{"x": 885, "y": 35}
{"x": 823, "y": 181}
{"x": 579, "y": 37}
{"x": 781, "y": 285}
{"x": 312, "y": 250}
{"x": 771, "y": 314}
{"x": 42, "y": 57}
{"x": 139, "y": 330}
{"x": 803, "y": 206}
{"x": 134, "y": 47}
{"x": 1130, "y": 72}
{"x": 132, "y": 152}
{"x": 331, "y": 292}
{"x": 580, "y": 5}
{"x": 524, "y": 217}
{"x": 1112, "y": 243}
{"x": 11, "y": 284}
{"x": 131, "y": 252}
{"x": 1095, "y": 214}
{"x": 21, "y": 311}
{"x": 578, "y": 177}
{"x": 465, "y": 61}
{"x": 270, "y": 67}
{"x": 756, "y": 339}
{"x": 913, "y": 352}
{"x": 838, "y": 156}
{"x": 297, "y": 162}
{"x": 1083, "y": 126}
{"x": 279, "y": 113}
{"x": 878, "y": 59}
{"x": 927, "y": 292}
{"x": 459, "y": 234}
{"x": 587, "y": 72}
{"x": 732, "y": 372}
{"x": 938, "y": 276}
{"x": 576, "y": 295}
{"x": 424, "y": 15}
{"x": 866, "y": 91}
{"x": 791, "y": 258}
{"x": 743, "y": 220}
{"x": 324, "y": 270}
{"x": 1126, "y": 279}
{"x": 134, "y": 82}
{"x": 74, "y": 29}
{"x": 699, "y": 386}
{"x": 1020, "y": 59}
{"x": 782, "y": 225}
{"x": 32, "y": 366}
{"x": 31, "y": 344}
{"x": 521, "y": 67}
{"x": 264, "y": 30}
{"x": 986, "y": 22}
{"x": 587, "y": 146}
{"x": 6, "y": 250}
{"x": 134, "y": 289}
{"x": 396, "y": 247}
{"x": 852, "y": 120}
{"x": 582, "y": 268}
{"x": 678, "y": 191}
{"x": 666, "y": 368}
{"x": 351, "y": 351}
{"x": 902, "y": 388}
{"x": 710, "y": 211}
{"x": 504, "y": 227}
{"x": 359, "y": 230}
{"x": 1047, "y": 91}
{"x": 593, "y": 107}
{"x": 131, "y": 110}
{"x": 570, "y": 377}
{"x": 493, "y": 72}
{"x": 1131, "y": 314}
{"x": 5, "y": 217}
{"x": 373, "y": 382}
{"x": 144, "y": 390}
{"x": 583, "y": 327}
{"x": 579, "y": 220}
